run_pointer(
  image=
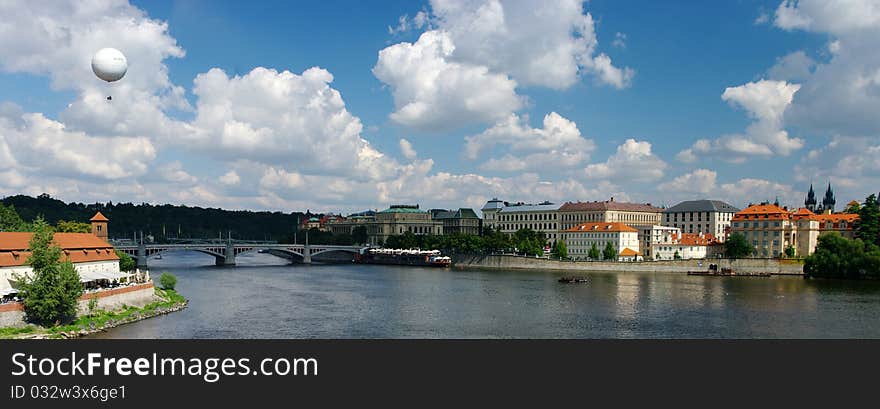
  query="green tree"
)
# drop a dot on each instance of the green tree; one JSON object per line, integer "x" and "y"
{"x": 676, "y": 256}
{"x": 789, "y": 251}
{"x": 869, "y": 221}
{"x": 10, "y": 220}
{"x": 609, "y": 253}
{"x": 64, "y": 226}
{"x": 126, "y": 263}
{"x": 737, "y": 246}
{"x": 839, "y": 257}
{"x": 51, "y": 292}
{"x": 855, "y": 208}
{"x": 168, "y": 281}
{"x": 594, "y": 252}
{"x": 560, "y": 250}
{"x": 359, "y": 234}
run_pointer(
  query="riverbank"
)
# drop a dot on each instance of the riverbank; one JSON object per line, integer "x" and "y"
{"x": 511, "y": 262}
{"x": 99, "y": 320}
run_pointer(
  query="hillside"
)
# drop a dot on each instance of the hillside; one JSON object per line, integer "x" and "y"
{"x": 163, "y": 221}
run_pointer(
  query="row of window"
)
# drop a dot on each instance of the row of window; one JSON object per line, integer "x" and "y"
{"x": 722, "y": 217}
{"x": 517, "y": 217}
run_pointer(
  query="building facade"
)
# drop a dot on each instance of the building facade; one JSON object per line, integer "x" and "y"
{"x": 541, "y": 218}
{"x": 461, "y": 221}
{"x": 651, "y": 236}
{"x": 92, "y": 256}
{"x": 490, "y": 213}
{"x": 771, "y": 229}
{"x": 399, "y": 219}
{"x": 684, "y": 246}
{"x": 580, "y": 239}
{"x": 634, "y": 214}
{"x": 701, "y": 216}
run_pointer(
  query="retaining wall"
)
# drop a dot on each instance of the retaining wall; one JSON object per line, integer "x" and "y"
{"x": 12, "y": 314}
{"x": 508, "y": 262}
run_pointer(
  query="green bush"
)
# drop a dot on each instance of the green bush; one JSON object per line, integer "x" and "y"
{"x": 839, "y": 257}
{"x": 168, "y": 281}
{"x": 126, "y": 263}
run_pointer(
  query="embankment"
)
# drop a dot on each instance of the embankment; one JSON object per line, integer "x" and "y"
{"x": 509, "y": 262}
{"x": 12, "y": 314}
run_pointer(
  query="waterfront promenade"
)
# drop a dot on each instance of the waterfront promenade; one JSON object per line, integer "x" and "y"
{"x": 513, "y": 262}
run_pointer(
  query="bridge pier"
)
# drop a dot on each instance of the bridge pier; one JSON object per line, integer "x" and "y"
{"x": 142, "y": 256}
{"x": 228, "y": 258}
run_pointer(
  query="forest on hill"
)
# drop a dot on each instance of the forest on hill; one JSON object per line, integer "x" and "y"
{"x": 163, "y": 222}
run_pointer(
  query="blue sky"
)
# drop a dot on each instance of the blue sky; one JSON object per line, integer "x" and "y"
{"x": 645, "y": 101}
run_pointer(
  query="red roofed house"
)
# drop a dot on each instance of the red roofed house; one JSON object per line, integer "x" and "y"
{"x": 580, "y": 239}
{"x": 685, "y": 245}
{"x": 771, "y": 229}
{"x": 92, "y": 256}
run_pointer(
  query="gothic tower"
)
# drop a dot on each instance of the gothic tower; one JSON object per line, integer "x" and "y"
{"x": 828, "y": 202}
{"x": 810, "y": 202}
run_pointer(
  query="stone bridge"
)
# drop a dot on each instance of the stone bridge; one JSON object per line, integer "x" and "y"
{"x": 225, "y": 253}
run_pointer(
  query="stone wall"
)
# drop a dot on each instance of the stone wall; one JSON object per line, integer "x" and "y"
{"x": 12, "y": 314}
{"x": 506, "y": 262}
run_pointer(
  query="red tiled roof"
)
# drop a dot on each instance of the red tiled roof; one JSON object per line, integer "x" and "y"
{"x": 609, "y": 205}
{"x": 601, "y": 227}
{"x": 628, "y": 252}
{"x": 98, "y": 217}
{"x": 763, "y": 212}
{"x": 78, "y": 248}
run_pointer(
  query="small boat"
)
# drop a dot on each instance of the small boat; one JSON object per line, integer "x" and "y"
{"x": 572, "y": 280}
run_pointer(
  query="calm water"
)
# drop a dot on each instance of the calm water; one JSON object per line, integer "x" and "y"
{"x": 263, "y": 297}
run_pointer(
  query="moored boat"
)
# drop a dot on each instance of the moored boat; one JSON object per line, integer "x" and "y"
{"x": 405, "y": 257}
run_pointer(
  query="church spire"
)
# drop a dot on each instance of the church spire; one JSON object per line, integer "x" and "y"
{"x": 828, "y": 202}
{"x": 810, "y": 202}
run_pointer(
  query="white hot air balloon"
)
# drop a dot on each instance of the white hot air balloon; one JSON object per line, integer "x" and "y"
{"x": 109, "y": 64}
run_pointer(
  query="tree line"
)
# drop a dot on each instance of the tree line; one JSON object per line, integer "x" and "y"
{"x": 162, "y": 222}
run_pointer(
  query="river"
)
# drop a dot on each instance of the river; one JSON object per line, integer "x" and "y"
{"x": 263, "y": 297}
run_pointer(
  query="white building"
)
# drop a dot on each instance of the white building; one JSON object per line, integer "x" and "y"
{"x": 581, "y": 238}
{"x": 650, "y": 236}
{"x": 92, "y": 257}
{"x": 701, "y": 216}
{"x": 684, "y": 246}
{"x": 541, "y": 217}
{"x": 633, "y": 214}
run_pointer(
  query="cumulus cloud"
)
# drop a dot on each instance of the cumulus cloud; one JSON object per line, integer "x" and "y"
{"x": 407, "y": 150}
{"x": 30, "y": 142}
{"x": 841, "y": 95}
{"x": 633, "y": 161}
{"x": 765, "y": 102}
{"x": 431, "y": 91}
{"x": 795, "y": 66}
{"x": 852, "y": 164}
{"x": 230, "y": 178}
{"x": 550, "y": 45}
{"x": 699, "y": 181}
{"x": 466, "y": 68}
{"x": 558, "y": 144}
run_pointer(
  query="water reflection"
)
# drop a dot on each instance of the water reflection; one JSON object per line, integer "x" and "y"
{"x": 264, "y": 297}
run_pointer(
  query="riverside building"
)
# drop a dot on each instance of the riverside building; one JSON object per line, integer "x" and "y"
{"x": 701, "y": 216}
{"x": 580, "y": 239}
{"x": 399, "y": 219}
{"x": 92, "y": 256}
{"x": 542, "y": 217}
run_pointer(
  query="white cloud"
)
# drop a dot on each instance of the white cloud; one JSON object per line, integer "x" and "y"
{"x": 749, "y": 190}
{"x": 700, "y": 181}
{"x": 842, "y": 95}
{"x": 794, "y": 66}
{"x": 174, "y": 172}
{"x": 765, "y": 101}
{"x": 230, "y": 178}
{"x": 279, "y": 118}
{"x": 407, "y": 150}
{"x": 466, "y": 68}
{"x": 32, "y": 143}
{"x": 851, "y": 164}
{"x": 558, "y": 144}
{"x": 430, "y": 91}
{"x": 549, "y": 45}
{"x": 633, "y": 162}
{"x": 619, "y": 40}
